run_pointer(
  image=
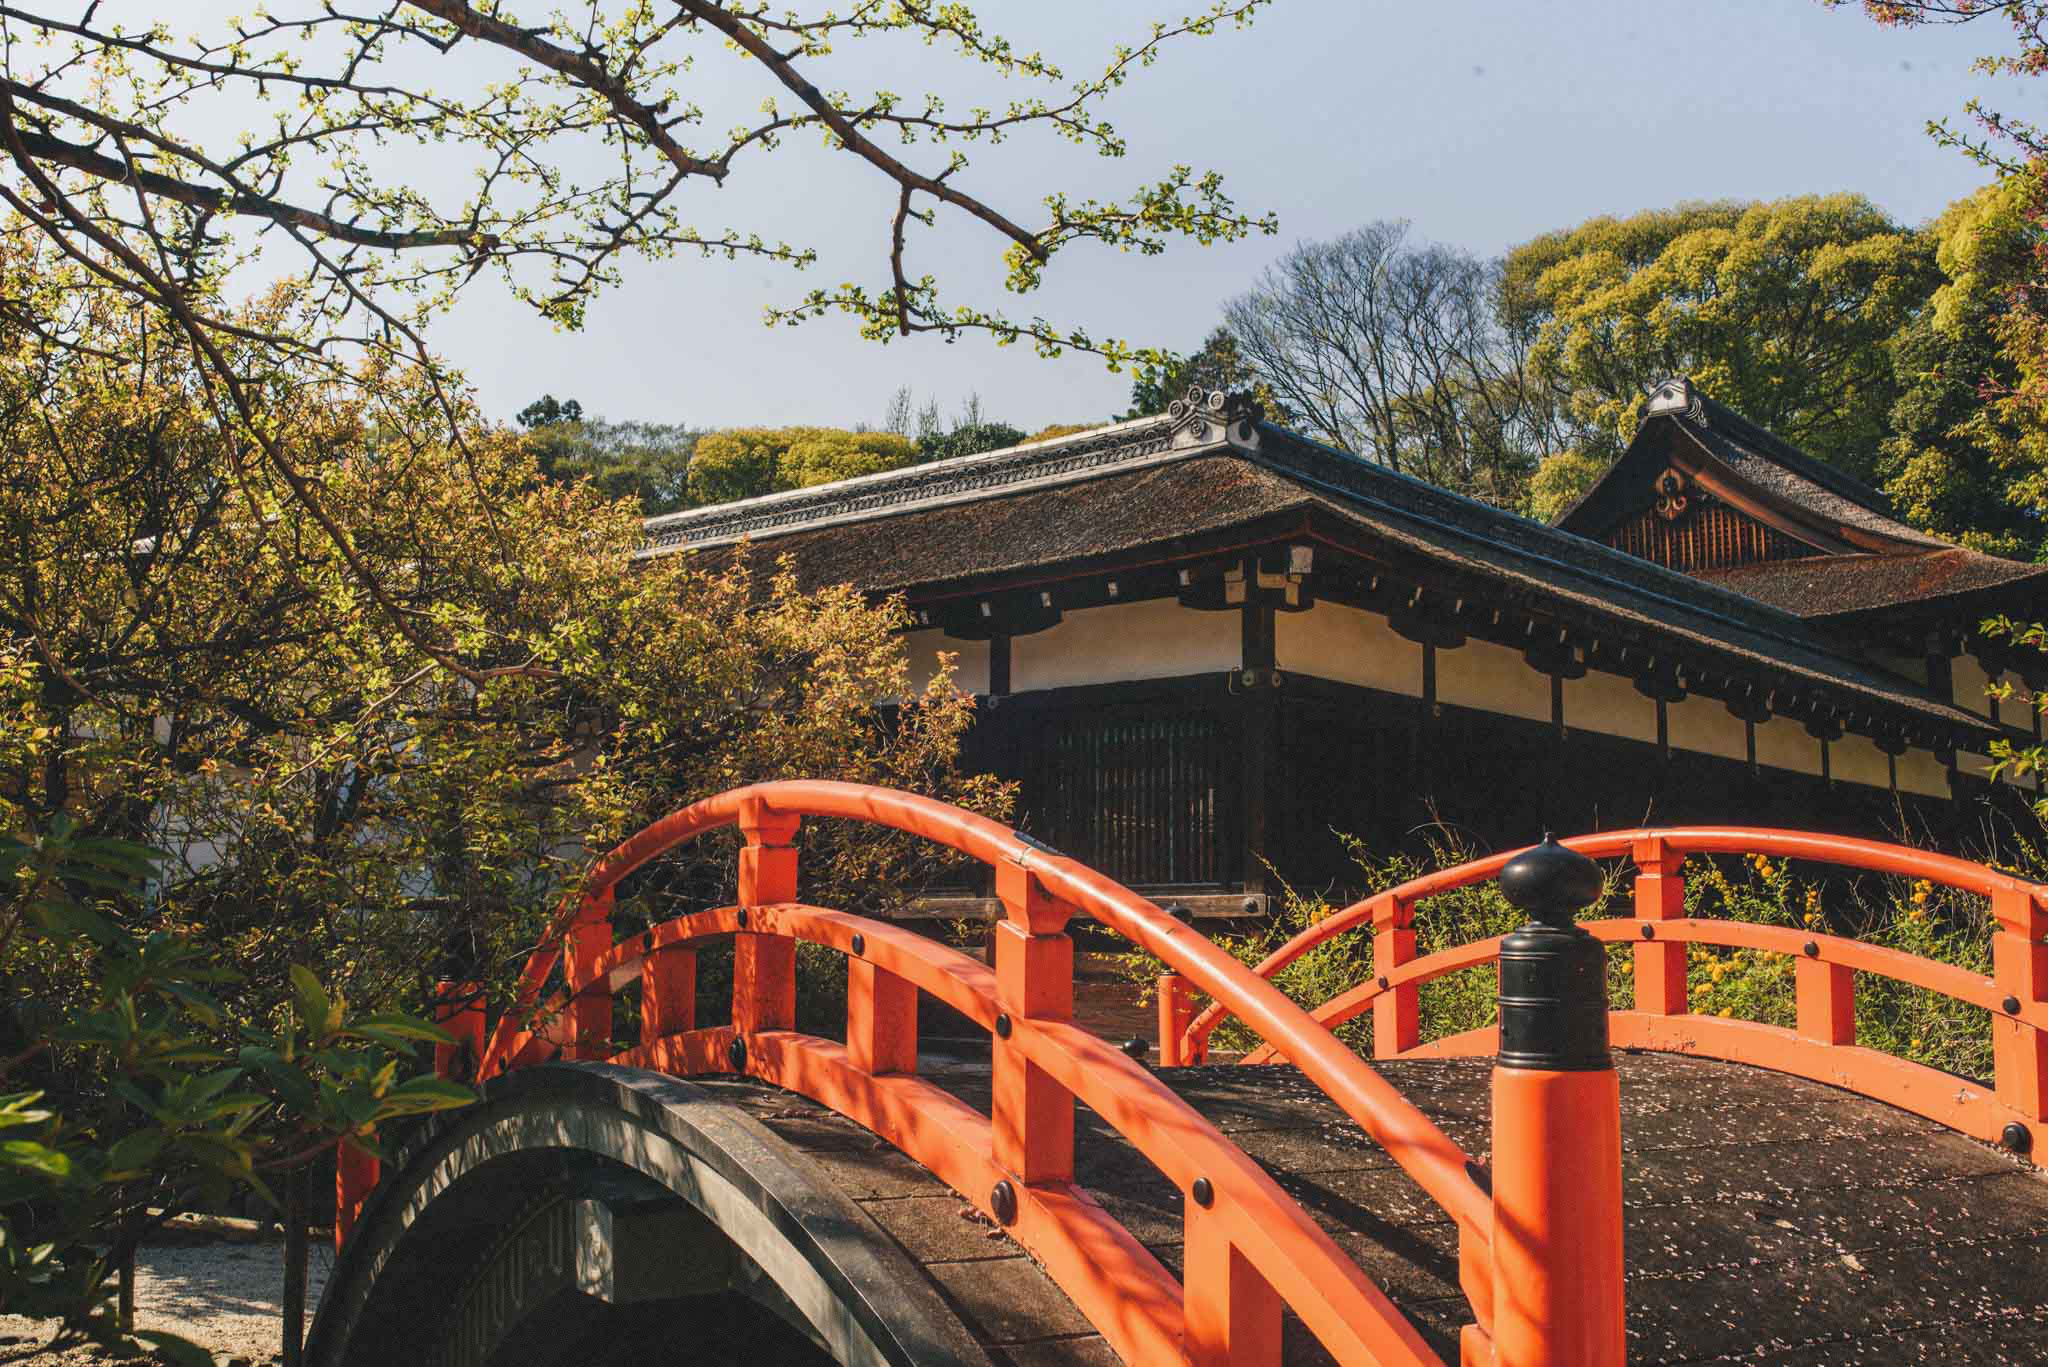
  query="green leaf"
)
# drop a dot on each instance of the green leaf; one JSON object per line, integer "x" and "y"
{"x": 26, "y": 1153}
{"x": 416, "y": 1096}
{"x": 132, "y": 1153}
{"x": 398, "y": 1025}
{"x": 57, "y": 918}
{"x": 316, "y": 1008}
{"x": 19, "y": 1108}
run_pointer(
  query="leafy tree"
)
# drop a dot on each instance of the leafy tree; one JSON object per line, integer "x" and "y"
{"x": 1784, "y": 311}
{"x": 744, "y": 462}
{"x": 197, "y": 670}
{"x": 1952, "y": 463}
{"x": 547, "y": 410}
{"x": 968, "y": 439}
{"x": 147, "y": 1098}
{"x": 648, "y": 462}
{"x": 410, "y": 150}
{"x": 1219, "y": 363}
{"x": 1560, "y": 481}
{"x": 1062, "y": 429}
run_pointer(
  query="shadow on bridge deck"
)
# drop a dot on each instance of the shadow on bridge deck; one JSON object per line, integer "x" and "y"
{"x": 1768, "y": 1219}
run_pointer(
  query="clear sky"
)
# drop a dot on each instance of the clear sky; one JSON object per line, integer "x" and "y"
{"x": 1482, "y": 121}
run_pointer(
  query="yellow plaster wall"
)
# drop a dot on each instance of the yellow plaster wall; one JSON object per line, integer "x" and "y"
{"x": 1119, "y": 642}
{"x": 1705, "y": 726}
{"x": 1493, "y": 678}
{"x": 970, "y": 666}
{"x": 1347, "y": 645}
{"x": 1609, "y": 704}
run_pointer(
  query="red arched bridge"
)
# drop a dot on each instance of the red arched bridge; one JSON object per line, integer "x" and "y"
{"x": 744, "y": 1191}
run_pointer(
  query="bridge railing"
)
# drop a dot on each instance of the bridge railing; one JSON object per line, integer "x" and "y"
{"x": 1822, "y": 1045}
{"x": 1249, "y": 1248}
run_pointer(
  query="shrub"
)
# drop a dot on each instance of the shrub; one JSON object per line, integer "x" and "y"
{"x": 1915, "y": 917}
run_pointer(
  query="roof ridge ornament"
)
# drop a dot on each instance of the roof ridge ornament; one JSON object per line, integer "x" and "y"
{"x": 1677, "y": 396}
{"x": 1206, "y": 416}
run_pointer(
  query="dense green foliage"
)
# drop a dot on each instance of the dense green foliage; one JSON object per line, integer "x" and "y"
{"x": 648, "y": 462}
{"x": 745, "y": 462}
{"x": 1783, "y": 311}
{"x": 151, "y": 1093}
{"x": 378, "y": 733}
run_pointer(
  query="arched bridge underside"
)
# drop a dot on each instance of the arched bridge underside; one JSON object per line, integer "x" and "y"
{"x": 1767, "y": 1218}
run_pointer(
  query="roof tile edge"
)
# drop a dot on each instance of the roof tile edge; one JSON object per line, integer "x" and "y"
{"x": 1196, "y": 424}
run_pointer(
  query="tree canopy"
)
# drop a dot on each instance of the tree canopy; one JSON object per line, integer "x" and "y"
{"x": 389, "y": 769}
{"x": 1784, "y": 311}
{"x": 744, "y": 462}
{"x": 648, "y": 462}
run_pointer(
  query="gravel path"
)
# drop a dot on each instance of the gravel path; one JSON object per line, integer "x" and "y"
{"x": 222, "y": 1295}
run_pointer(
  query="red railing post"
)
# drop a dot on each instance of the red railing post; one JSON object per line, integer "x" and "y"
{"x": 1232, "y": 1313}
{"x": 2019, "y": 967}
{"x": 459, "y": 1009}
{"x": 355, "y": 1177}
{"x": 1176, "y": 1012}
{"x": 1825, "y": 997}
{"x": 1660, "y": 965}
{"x": 590, "y": 1005}
{"x": 881, "y": 1019}
{"x": 1396, "y": 1021}
{"x": 1032, "y": 1117}
{"x": 764, "y": 965}
{"x": 1557, "y": 1257}
{"x": 668, "y": 993}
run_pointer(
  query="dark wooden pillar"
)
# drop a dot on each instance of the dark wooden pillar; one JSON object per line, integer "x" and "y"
{"x": 1259, "y": 756}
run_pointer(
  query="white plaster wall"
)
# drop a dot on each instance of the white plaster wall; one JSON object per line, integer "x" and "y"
{"x": 1483, "y": 675}
{"x": 1609, "y": 704}
{"x": 1155, "y": 639}
{"x": 1705, "y": 726}
{"x": 1970, "y": 680}
{"x": 1782, "y": 743}
{"x": 970, "y": 666}
{"x": 1331, "y": 641}
{"x": 1856, "y": 759}
{"x": 1920, "y": 772}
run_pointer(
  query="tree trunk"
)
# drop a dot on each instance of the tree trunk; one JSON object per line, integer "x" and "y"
{"x": 294, "y": 1328}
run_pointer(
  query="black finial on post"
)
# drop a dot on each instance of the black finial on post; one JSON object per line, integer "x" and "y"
{"x": 1553, "y": 975}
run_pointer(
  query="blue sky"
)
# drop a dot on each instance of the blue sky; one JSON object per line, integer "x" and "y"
{"x": 1483, "y": 122}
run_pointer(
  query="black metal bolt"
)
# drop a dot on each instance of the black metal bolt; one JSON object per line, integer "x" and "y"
{"x": 2017, "y": 1137}
{"x": 1003, "y": 1025}
{"x": 1384, "y": 984}
{"x": 1137, "y": 1048}
{"x": 743, "y": 915}
{"x": 2011, "y": 1005}
{"x": 1649, "y": 932}
{"x": 736, "y": 1052}
{"x": 1205, "y": 1195}
{"x": 1002, "y": 1202}
{"x": 860, "y": 945}
{"x": 1812, "y": 950}
{"x": 1553, "y": 975}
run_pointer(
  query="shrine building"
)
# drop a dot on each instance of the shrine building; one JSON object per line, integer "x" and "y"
{"x": 1204, "y": 645}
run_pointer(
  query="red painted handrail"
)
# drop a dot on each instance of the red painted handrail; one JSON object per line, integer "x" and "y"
{"x": 1245, "y": 1219}
{"x": 1822, "y": 1046}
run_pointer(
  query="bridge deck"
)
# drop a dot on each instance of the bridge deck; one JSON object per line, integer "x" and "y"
{"x": 1768, "y": 1218}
